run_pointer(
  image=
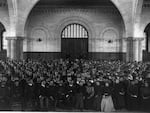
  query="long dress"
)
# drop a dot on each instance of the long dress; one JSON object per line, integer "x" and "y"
{"x": 98, "y": 98}
{"x": 107, "y": 104}
{"x": 4, "y": 98}
{"x": 29, "y": 96}
{"x": 52, "y": 94}
{"x": 133, "y": 97}
{"x": 119, "y": 96}
{"x": 79, "y": 97}
{"x": 145, "y": 100}
{"x": 89, "y": 97}
{"x": 16, "y": 98}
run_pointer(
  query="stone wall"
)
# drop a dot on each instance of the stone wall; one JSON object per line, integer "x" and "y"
{"x": 4, "y": 15}
{"x": 4, "y": 20}
{"x": 145, "y": 20}
{"x": 105, "y": 24}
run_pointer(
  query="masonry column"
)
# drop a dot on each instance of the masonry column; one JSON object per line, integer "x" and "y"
{"x": 137, "y": 49}
{"x": 129, "y": 54}
{"x": 15, "y": 48}
{"x": 8, "y": 48}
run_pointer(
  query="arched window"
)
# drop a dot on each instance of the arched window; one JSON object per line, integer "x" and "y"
{"x": 74, "y": 42}
{"x": 74, "y": 30}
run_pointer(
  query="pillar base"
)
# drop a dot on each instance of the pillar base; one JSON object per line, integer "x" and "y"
{"x": 15, "y": 48}
{"x": 134, "y": 49}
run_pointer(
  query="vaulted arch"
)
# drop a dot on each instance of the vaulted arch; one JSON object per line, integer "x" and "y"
{"x": 4, "y": 14}
{"x": 12, "y": 11}
{"x": 19, "y": 13}
{"x": 19, "y": 8}
{"x": 124, "y": 13}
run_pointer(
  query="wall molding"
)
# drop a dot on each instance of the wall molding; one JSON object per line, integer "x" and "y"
{"x": 42, "y": 28}
{"x": 108, "y": 29}
{"x": 74, "y": 19}
{"x": 63, "y": 9}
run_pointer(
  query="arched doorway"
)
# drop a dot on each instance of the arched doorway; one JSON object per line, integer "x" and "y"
{"x": 74, "y": 41}
{"x": 2, "y": 30}
{"x": 146, "y": 53}
{"x": 3, "y": 43}
{"x": 147, "y": 32}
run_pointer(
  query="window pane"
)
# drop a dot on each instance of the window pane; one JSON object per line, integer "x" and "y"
{"x": 74, "y": 31}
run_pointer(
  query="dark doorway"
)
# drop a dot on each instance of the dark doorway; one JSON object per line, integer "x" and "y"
{"x": 146, "y": 52}
{"x": 74, "y": 48}
{"x": 3, "y": 53}
{"x": 2, "y": 30}
{"x": 74, "y": 42}
{"x": 147, "y": 32}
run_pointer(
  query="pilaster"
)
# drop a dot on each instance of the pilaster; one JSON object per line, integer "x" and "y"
{"x": 134, "y": 49}
{"x": 15, "y": 48}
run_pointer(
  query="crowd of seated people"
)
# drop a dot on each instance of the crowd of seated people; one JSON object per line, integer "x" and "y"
{"x": 74, "y": 84}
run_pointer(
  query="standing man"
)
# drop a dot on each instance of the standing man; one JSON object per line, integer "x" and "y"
{"x": 80, "y": 95}
{"x": 98, "y": 96}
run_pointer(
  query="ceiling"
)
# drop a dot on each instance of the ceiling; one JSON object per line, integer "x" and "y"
{"x": 75, "y": 2}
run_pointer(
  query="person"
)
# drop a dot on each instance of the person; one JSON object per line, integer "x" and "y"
{"x": 4, "y": 96}
{"x": 107, "y": 104}
{"x": 133, "y": 96}
{"x": 16, "y": 95}
{"x": 145, "y": 97}
{"x": 80, "y": 96}
{"x": 59, "y": 70}
{"x": 89, "y": 96}
{"x": 52, "y": 95}
{"x": 119, "y": 95}
{"x": 29, "y": 93}
{"x": 23, "y": 85}
{"x": 36, "y": 92}
{"x": 9, "y": 85}
{"x": 98, "y": 95}
{"x": 70, "y": 96}
{"x": 42, "y": 96}
{"x": 47, "y": 104}
{"x": 60, "y": 94}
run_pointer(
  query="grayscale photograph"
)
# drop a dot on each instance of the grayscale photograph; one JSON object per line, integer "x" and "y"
{"x": 75, "y": 56}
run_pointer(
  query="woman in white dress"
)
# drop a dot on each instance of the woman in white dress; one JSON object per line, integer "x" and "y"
{"x": 107, "y": 102}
